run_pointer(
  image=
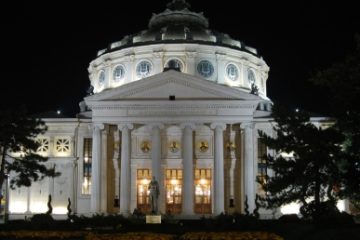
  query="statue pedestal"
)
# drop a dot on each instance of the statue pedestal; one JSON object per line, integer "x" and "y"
{"x": 153, "y": 219}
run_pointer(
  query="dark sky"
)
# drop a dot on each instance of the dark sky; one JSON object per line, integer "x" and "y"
{"x": 47, "y": 47}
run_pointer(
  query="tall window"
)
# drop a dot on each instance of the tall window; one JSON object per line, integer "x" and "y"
{"x": 87, "y": 160}
{"x": 262, "y": 167}
{"x": 173, "y": 190}
{"x": 202, "y": 191}
{"x": 143, "y": 179}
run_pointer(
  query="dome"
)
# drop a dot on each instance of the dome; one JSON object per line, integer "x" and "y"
{"x": 178, "y": 24}
{"x": 180, "y": 38}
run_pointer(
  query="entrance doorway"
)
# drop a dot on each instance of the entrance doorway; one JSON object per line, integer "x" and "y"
{"x": 202, "y": 191}
{"x": 173, "y": 183}
{"x": 143, "y": 180}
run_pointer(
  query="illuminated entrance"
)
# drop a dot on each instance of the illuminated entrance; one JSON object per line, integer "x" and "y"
{"x": 202, "y": 191}
{"x": 173, "y": 183}
{"x": 143, "y": 180}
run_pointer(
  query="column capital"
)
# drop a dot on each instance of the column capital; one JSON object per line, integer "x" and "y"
{"x": 188, "y": 124}
{"x": 218, "y": 124}
{"x": 220, "y": 56}
{"x": 121, "y": 126}
{"x": 247, "y": 125}
{"x": 191, "y": 54}
{"x": 97, "y": 126}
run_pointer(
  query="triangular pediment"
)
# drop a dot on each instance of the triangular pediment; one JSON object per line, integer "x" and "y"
{"x": 172, "y": 83}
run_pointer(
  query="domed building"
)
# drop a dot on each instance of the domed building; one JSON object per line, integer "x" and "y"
{"x": 176, "y": 101}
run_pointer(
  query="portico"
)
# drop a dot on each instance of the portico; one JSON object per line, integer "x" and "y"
{"x": 183, "y": 143}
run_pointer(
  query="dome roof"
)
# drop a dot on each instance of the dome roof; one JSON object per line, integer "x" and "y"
{"x": 178, "y": 24}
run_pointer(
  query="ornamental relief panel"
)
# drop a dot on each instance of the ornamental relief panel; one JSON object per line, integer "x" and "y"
{"x": 204, "y": 146}
{"x": 141, "y": 146}
{"x": 141, "y": 143}
{"x": 171, "y": 141}
{"x": 171, "y": 147}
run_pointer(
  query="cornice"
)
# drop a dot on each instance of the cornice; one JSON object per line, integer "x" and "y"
{"x": 169, "y": 106}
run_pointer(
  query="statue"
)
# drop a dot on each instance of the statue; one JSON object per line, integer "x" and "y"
{"x": 254, "y": 89}
{"x": 154, "y": 195}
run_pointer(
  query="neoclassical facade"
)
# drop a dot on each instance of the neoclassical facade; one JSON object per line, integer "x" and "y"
{"x": 176, "y": 101}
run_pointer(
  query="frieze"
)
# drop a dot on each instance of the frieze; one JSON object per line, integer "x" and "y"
{"x": 170, "y": 111}
{"x": 175, "y": 106}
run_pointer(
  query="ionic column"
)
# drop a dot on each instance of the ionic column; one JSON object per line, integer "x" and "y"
{"x": 156, "y": 150}
{"x": 116, "y": 163}
{"x": 156, "y": 168}
{"x": 125, "y": 168}
{"x": 188, "y": 169}
{"x": 249, "y": 176}
{"x": 219, "y": 195}
{"x": 96, "y": 168}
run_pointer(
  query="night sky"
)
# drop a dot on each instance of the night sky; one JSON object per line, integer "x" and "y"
{"x": 47, "y": 47}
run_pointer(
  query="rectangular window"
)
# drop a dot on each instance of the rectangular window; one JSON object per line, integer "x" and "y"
{"x": 202, "y": 191}
{"x": 87, "y": 160}
{"x": 143, "y": 178}
{"x": 173, "y": 190}
{"x": 262, "y": 166}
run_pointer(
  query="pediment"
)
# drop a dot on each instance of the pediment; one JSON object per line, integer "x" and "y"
{"x": 172, "y": 83}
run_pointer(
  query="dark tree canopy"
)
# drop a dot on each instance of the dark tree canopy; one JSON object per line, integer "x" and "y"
{"x": 18, "y": 147}
{"x": 342, "y": 82}
{"x": 305, "y": 164}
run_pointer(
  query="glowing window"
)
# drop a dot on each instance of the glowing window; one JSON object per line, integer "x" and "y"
{"x": 173, "y": 190}
{"x": 251, "y": 77}
{"x": 143, "y": 179}
{"x": 87, "y": 163}
{"x": 143, "y": 69}
{"x": 232, "y": 72}
{"x": 262, "y": 164}
{"x": 202, "y": 191}
{"x": 119, "y": 73}
{"x": 101, "y": 77}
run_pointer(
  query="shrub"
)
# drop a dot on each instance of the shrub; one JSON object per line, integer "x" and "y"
{"x": 42, "y": 221}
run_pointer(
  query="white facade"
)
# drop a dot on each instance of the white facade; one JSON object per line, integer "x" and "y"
{"x": 195, "y": 130}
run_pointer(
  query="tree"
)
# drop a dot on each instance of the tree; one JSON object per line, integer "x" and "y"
{"x": 305, "y": 163}
{"x": 18, "y": 148}
{"x": 342, "y": 82}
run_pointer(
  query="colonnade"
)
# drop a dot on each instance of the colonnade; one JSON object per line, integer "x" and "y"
{"x": 188, "y": 165}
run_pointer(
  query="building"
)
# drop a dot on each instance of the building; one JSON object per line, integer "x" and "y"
{"x": 177, "y": 101}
